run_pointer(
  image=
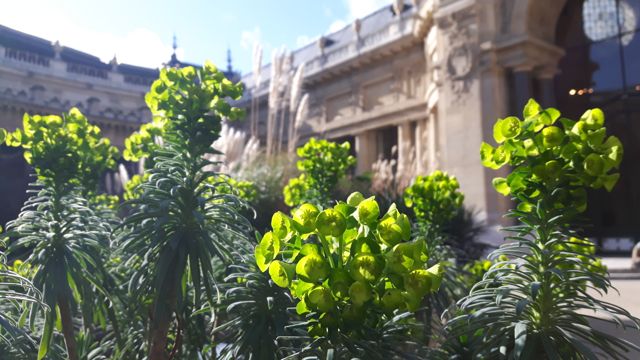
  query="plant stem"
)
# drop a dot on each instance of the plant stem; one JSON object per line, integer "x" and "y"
{"x": 67, "y": 328}
{"x": 164, "y": 308}
{"x": 325, "y": 248}
{"x": 428, "y": 320}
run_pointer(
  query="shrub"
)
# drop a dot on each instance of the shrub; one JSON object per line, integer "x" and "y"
{"x": 533, "y": 302}
{"x": 322, "y": 163}
{"x": 65, "y": 239}
{"x": 181, "y": 224}
{"x": 348, "y": 268}
{"x": 435, "y": 199}
{"x": 15, "y": 291}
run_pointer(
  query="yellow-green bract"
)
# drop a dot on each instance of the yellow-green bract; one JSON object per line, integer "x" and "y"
{"x": 63, "y": 149}
{"x": 188, "y": 103}
{"x": 347, "y": 263}
{"x": 435, "y": 199}
{"x": 547, "y": 151}
{"x": 322, "y": 163}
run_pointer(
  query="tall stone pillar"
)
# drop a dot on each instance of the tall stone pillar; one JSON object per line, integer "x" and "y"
{"x": 523, "y": 87}
{"x": 366, "y": 151}
{"x": 432, "y": 143}
{"x": 421, "y": 147}
{"x": 405, "y": 154}
{"x": 547, "y": 87}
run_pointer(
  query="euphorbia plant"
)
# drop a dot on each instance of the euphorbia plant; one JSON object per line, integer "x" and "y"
{"x": 435, "y": 200}
{"x": 349, "y": 268}
{"x": 322, "y": 163}
{"x": 179, "y": 223}
{"x": 533, "y": 301}
{"x": 64, "y": 239}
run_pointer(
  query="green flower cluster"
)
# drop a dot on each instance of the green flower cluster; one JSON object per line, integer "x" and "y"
{"x": 63, "y": 149}
{"x": 143, "y": 142}
{"x": 549, "y": 152}
{"x": 297, "y": 191}
{"x": 195, "y": 100}
{"x": 346, "y": 264}
{"x": 243, "y": 189}
{"x": 132, "y": 189}
{"x": 322, "y": 163}
{"x": 435, "y": 199}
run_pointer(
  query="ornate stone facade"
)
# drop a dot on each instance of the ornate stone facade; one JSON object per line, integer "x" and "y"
{"x": 432, "y": 79}
{"x": 38, "y": 76}
{"x": 41, "y": 77}
{"x": 429, "y": 78}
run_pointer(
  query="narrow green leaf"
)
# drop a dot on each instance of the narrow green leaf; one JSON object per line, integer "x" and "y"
{"x": 520, "y": 338}
{"x": 47, "y": 334}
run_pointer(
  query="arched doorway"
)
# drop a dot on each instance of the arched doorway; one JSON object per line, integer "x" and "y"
{"x": 601, "y": 68}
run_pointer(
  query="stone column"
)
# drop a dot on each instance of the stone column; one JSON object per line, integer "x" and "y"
{"x": 366, "y": 151}
{"x": 432, "y": 143}
{"x": 547, "y": 87}
{"x": 523, "y": 87}
{"x": 421, "y": 147}
{"x": 405, "y": 153}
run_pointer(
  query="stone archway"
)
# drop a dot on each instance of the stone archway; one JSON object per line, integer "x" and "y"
{"x": 537, "y": 18}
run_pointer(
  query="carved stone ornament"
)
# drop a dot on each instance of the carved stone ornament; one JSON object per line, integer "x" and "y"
{"x": 357, "y": 25}
{"x": 460, "y": 61}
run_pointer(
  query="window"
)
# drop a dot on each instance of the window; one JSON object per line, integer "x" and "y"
{"x": 601, "y": 68}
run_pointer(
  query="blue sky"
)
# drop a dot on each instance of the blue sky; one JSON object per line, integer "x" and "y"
{"x": 140, "y": 31}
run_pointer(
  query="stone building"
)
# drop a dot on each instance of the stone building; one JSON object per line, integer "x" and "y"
{"x": 432, "y": 76}
{"x": 41, "y": 77}
{"x": 38, "y": 76}
{"x": 428, "y": 77}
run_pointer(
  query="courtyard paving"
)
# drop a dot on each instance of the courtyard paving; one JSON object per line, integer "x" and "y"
{"x": 627, "y": 296}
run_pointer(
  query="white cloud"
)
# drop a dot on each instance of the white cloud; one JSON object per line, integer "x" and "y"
{"x": 337, "y": 25}
{"x": 362, "y": 8}
{"x": 139, "y": 46}
{"x": 304, "y": 40}
{"x": 357, "y": 9}
{"x": 144, "y": 47}
{"x": 250, "y": 37}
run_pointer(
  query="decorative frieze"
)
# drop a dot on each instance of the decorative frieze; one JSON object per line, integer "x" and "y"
{"x": 87, "y": 70}
{"x": 26, "y": 57}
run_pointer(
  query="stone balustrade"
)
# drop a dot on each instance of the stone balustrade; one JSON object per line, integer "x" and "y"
{"x": 19, "y": 59}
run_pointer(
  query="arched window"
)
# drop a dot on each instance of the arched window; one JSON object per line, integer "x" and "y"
{"x": 601, "y": 68}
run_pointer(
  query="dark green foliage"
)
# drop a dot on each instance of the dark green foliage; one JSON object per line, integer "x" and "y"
{"x": 66, "y": 242}
{"x": 397, "y": 337}
{"x": 256, "y": 311}
{"x": 462, "y": 234}
{"x": 16, "y": 291}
